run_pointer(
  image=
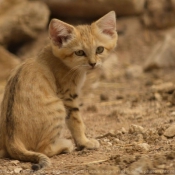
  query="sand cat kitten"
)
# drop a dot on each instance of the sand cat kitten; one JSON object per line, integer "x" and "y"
{"x": 42, "y": 94}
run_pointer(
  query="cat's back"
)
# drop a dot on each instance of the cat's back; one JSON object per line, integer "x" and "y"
{"x": 28, "y": 94}
{"x": 29, "y": 85}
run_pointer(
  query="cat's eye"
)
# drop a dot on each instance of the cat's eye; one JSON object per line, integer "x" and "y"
{"x": 80, "y": 53}
{"x": 99, "y": 49}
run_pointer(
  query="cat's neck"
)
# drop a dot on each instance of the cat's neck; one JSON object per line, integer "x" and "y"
{"x": 65, "y": 77}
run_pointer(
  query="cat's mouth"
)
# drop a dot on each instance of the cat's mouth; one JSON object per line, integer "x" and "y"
{"x": 90, "y": 68}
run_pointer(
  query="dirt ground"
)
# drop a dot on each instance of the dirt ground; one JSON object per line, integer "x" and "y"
{"x": 130, "y": 112}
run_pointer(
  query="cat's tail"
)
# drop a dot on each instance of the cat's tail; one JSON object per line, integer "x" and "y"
{"x": 19, "y": 152}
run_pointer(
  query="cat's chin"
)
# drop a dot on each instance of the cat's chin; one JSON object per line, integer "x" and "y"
{"x": 90, "y": 69}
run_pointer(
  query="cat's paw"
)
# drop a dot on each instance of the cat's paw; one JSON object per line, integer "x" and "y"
{"x": 69, "y": 147}
{"x": 90, "y": 144}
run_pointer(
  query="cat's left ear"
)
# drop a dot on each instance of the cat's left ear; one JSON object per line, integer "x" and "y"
{"x": 107, "y": 23}
{"x": 60, "y": 32}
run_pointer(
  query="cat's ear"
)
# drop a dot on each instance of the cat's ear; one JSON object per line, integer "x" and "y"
{"x": 107, "y": 23}
{"x": 60, "y": 32}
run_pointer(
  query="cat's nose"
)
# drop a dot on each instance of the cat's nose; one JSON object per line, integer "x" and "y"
{"x": 92, "y": 64}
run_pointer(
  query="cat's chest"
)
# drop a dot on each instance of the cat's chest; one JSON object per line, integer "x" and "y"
{"x": 71, "y": 88}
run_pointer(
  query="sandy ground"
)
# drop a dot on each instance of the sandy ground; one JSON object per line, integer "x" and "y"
{"x": 131, "y": 113}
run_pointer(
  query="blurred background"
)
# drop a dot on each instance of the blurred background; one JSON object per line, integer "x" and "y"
{"x": 145, "y": 28}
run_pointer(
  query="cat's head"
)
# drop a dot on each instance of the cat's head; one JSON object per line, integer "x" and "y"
{"x": 84, "y": 46}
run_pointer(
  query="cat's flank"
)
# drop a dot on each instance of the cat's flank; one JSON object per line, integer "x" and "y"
{"x": 42, "y": 93}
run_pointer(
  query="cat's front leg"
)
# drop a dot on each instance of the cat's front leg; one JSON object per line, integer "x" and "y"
{"x": 77, "y": 127}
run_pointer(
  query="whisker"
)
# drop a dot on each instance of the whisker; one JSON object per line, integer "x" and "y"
{"x": 74, "y": 69}
{"x": 70, "y": 71}
{"x": 75, "y": 76}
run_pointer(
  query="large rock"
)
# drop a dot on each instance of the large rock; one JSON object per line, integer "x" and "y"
{"x": 21, "y": 20}
{"x": 159, "y": 14}
{"x": 93, "y": 9}
{"x": 162, "y": 54}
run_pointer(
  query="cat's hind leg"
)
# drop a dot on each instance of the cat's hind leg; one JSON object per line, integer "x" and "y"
{"x": 59, "y": 145}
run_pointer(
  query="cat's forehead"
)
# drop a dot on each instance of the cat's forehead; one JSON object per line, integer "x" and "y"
{"x": 86, "y": 35}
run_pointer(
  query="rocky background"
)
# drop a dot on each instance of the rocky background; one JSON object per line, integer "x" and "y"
{"x": 131, "y": 108}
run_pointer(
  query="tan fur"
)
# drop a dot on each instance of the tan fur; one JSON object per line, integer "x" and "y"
{"x": 43, "y": 93}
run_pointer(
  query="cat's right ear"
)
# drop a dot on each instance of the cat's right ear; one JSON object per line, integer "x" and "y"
{"x": 107, "y": 24}
{"x": 60, "y": 32}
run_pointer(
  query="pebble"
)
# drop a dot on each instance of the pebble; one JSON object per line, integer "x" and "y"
{"x": 170, "y": 132}
{"x": 117, "y": 141}
{"x": 17, "y": 170}
{"x": 123, "y": 130}
{"x": 136, "y": 129}
{"x": 144, "y": 146}
{"x": 173, "y": 113}
{"x": 106, "y": 140}
{"x": 109, "y": 143}
{"x": 158, "y": 97}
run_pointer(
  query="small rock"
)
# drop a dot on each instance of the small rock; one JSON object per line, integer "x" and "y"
{"x": 169, "y": 104}
{"x": 109, "y": 143}
{"x": 123, "y": 130}
{"x": 117, "y": 141}
{"x": 112, "y": 132}
{"x": 17, "y": 170}
{"x": 106, "y": 140}
{"x": 173, "y": 113}
{"x": 170, "y": 132}
{"x": 144, "y": 146}
{"x": 158, "y": 97}
{"x": 136, "y": 129}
